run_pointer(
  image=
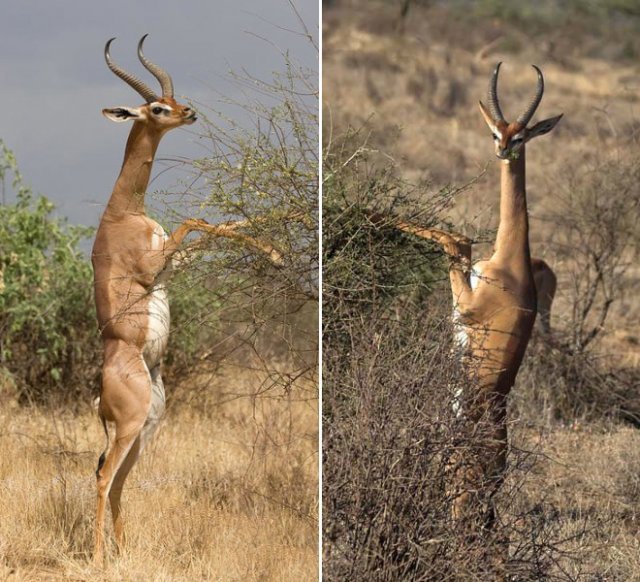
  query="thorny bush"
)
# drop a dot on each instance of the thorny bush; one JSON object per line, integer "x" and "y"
{"x": 263, "y": 171}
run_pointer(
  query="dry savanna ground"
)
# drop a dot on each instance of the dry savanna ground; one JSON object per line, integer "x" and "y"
{"x": 227, "y": 491}
{"x": 410, "y": 87}
{"x": 584, "y": 485}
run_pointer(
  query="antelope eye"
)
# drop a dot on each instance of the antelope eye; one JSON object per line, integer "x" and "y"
{"x": 157, "y": 110}
{"x": 495, "y": 136}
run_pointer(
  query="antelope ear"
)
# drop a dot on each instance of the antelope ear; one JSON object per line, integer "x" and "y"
{"x": 120, "y": 114}
{"x": 490, "y": 121}
{"x": 544, "y": 126}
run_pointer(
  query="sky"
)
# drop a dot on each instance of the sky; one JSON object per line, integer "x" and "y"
{"x": 54, "y": 82}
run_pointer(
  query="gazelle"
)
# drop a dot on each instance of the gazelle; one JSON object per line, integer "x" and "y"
{"x": 494, "y": 303}
{"x": 131, "y": 258}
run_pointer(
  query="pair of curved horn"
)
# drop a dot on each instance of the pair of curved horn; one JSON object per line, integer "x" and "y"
{"x": 494, "y": 103}
{"x": 141, "y": 87}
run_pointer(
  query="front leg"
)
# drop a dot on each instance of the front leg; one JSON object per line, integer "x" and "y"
{"x": 458, "y": 248}
{"x": 226, "y": 230}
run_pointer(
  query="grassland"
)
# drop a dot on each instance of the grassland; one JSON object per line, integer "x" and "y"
{"x": 226, "y": 491}
{"x": 584, "y": 486}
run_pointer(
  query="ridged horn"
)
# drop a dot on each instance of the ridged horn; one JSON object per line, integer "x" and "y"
{"x": 492, "y": 96}
{"x": 529, "y": 111}
{"x": 128, "y": 78}
{"x": 159, "y": 73}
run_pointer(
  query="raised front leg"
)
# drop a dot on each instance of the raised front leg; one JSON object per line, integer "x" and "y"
{"x": 226, "y": 230}
{"x": 458, "y": 248}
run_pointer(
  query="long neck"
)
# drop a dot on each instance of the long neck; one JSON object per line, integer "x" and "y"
{"x": 512, "y": 241}
{"x": 131, "y": 185}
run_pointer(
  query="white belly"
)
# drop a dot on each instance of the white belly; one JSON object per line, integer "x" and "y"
{"x": 158, "y": 324}
{"x": 460, "y": 347}
{"x": 460, "y": 337}
{"x": 474, "y": 277}
{"x": 461, "y": 340}
{"x": 158, "y": 317}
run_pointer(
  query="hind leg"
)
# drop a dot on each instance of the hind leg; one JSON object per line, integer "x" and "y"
{"x": 115, "y": 492}
{"x": 125, "y": 400}
{"x": 154, "y": 416}
{"x": 105, "y": 476}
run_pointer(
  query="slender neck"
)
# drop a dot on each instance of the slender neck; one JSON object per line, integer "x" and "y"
{"x": 128, "y": 193}
{"x": 512, "y": 241}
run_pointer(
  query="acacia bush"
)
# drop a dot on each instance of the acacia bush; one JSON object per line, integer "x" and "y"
{"x": 261, "y": 169}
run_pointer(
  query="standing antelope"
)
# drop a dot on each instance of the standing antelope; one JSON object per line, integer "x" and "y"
{"x": 131, "y": 258}
{"x": 494, "y": 308}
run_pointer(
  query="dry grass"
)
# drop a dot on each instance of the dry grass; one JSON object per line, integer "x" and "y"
{"x": 586, "y": 481}
{"x": 227, "y": 491}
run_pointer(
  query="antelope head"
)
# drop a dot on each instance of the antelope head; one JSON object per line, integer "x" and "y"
{"x": 160, "y": 113}
{"x": 509, "y": 138}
